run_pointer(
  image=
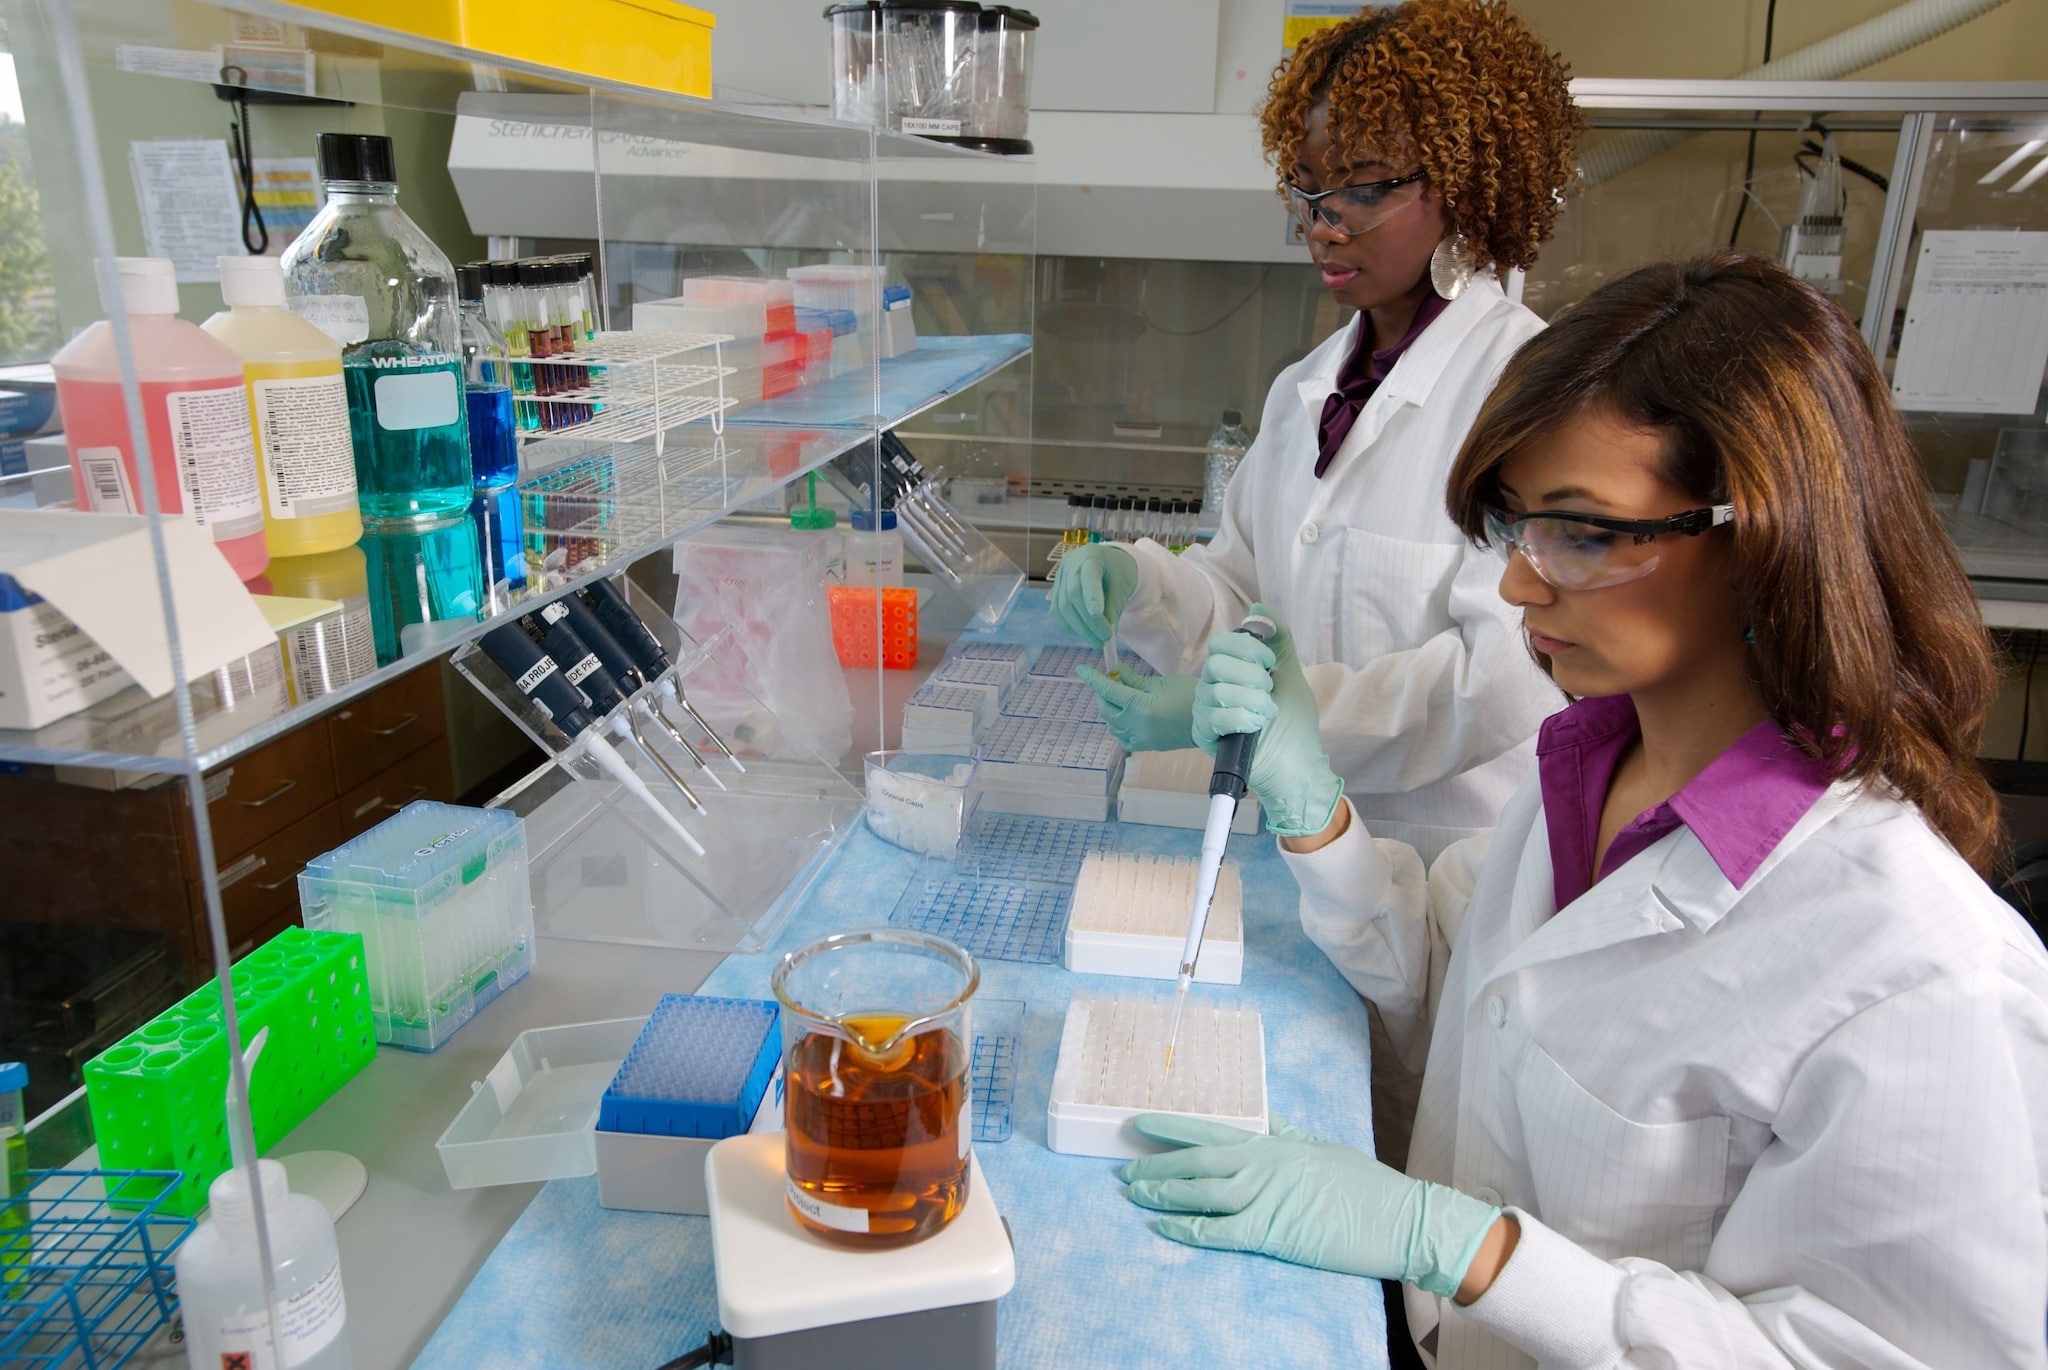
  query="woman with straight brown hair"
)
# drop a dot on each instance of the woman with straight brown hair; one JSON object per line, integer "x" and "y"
{"x": 1730, "y": 1057}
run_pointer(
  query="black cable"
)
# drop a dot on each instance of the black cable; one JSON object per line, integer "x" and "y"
{"x": 1749, "y": 161}
{"x": 242, "y": 142}
{"x": 716, "y": 1350}
{"x": 1264, "y": 274}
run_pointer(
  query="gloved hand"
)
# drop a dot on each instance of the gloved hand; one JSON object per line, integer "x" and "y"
{"x": 1291, "y": 1196}
{"x": 1249, "y": 686}
{"x": 1146, "y": 713}
{"x": 1090, "y": 589}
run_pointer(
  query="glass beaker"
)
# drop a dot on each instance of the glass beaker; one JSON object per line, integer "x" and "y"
{"x": 876, "y": 1041}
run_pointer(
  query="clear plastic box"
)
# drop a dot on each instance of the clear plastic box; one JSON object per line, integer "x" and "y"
{"x": 915, "y": 799}
{"x": 534, "y": 1116}
{"x": 996, "y": 844}
{"x": 997, "y": 920}
{"x": 440, "y": 896}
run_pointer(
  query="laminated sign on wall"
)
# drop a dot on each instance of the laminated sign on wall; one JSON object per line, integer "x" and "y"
{"x": 1976, "y": 336}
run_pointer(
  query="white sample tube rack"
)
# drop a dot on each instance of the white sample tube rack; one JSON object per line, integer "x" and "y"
{"x": 1130, "y": 917}
{"x": 1109, "y": 1070}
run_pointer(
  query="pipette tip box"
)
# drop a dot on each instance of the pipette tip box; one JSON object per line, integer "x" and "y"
{"x": 441, "y": 897}
{"x": 1130, "y": 917}
{"x": 1061, "y": 661}
{"x": 1042, "y": 697}
{"x": 1171, "y": 790}
{"x": 702, "y": 1070}
{"x": 1112, "y": 1068}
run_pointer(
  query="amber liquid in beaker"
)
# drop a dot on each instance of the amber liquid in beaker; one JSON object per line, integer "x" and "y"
{"x": 877, "y": 1154}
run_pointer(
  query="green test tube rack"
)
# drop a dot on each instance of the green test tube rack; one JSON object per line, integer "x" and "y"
{"x": 158, "y": 1095}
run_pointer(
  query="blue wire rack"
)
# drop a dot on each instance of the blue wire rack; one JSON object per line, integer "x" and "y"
{"x": 992, "y": 1075}
{"x": 1016, "y": 846}
{"x": 82, "y": 1285}
{"x": 1061, "y": 661}
{"x": 999, "y": 920}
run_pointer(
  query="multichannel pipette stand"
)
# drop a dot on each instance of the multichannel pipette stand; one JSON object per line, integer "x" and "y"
{"x": 1109, "y": 1071}
{"x": 605, "y": 867}
{"x": 704, "y": 1069}
{"x": 1171, "y": 790}
{"x": 791, "y": 1302}
{"x": 1130, "y": 916}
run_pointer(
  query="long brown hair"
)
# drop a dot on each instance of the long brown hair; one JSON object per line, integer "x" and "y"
{"x": 1870, "y": 650}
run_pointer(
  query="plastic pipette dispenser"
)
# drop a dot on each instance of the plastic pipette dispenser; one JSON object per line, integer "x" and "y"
{"x": 441, "y": 898}
{"x": 156, "y": 1094}
{"x": 1130, "y": 917}
{"x": 700, "y": 1069}
{"x": 1110, "y": 1071}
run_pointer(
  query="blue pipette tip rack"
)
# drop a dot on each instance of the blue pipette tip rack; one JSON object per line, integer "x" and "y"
{"x": 700, "y": 1068}
{"x": 1061, "y": 661}
{"x": 998, "y": 920}
{"x": 998, "y": 1038}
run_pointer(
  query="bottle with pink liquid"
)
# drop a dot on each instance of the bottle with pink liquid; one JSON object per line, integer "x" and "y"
{"x": 201, "y": 446}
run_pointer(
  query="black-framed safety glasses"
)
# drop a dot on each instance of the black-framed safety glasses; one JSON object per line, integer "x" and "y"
{"x": 1574, "y": 551}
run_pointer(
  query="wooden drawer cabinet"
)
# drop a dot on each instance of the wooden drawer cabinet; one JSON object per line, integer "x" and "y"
{"x": 367, "y": 735}
{"x": 425, "y": 774}
{"x": 263, "y": 882}
{"x": 259, "y": 795}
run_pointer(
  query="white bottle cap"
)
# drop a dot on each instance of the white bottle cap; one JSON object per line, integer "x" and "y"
{"x": 229, "y": 1195}
{"x": 255, "y": 281}
{"x": 149, "y": 285}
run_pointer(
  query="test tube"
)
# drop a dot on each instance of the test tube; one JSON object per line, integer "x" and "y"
{"x": 1076, "y": 522}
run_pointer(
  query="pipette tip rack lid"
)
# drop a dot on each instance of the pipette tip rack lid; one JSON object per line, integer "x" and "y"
{"x": 1109, "y": 1069}
{"x": 700, "y": 1068}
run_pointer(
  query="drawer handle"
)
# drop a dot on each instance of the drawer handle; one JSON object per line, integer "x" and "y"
{"x": 279, "y": 884}
{"x": 415, "y": 793}
{"x": 376, "y": 801}
{"x": 280, "y": 792}
{"x": 400, "y": 726}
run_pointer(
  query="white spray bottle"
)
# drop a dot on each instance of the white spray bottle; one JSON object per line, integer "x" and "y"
{"x": 220, "y": 1274}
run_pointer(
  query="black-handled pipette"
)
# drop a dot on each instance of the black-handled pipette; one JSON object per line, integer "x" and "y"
{"x": 609, "y": 698}
{"x": 613, "y": 610}
{"x": 537, "y": 676}
{"x": 1226, "y": 787}
{"x": 631, "y": 670}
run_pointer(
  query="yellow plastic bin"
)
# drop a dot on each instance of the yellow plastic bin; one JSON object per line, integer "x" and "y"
{"x": 655, "y": 43}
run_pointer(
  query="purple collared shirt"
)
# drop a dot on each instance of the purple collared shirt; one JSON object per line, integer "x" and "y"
{"x": 1740, "y": 807}
{"x": 1362, "y": 373}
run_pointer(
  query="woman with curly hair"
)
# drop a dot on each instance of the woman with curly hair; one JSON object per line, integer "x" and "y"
{"x": 1729, "y": 1056}
{"x": 1424, "y": 149}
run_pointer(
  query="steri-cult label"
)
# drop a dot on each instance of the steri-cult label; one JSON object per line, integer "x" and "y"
{"x": 302, "y": 429}
{"x": 216, "y": 457}
{"x": 836, "y": 1216}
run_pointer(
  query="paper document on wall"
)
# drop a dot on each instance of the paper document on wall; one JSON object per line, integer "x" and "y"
{"x": 191, "y": 212}
{"x": 100, "y": 571}
{"x": 1976, "y": 337}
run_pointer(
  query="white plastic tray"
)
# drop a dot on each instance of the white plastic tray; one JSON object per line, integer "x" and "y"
{"x": 533, "y": 1117}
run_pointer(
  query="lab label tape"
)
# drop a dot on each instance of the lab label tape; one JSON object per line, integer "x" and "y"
{"x": 1130, "y": 917}
{"x": 1112, "y": 1067}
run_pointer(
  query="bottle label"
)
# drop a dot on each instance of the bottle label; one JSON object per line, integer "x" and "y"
{"x": 106, "y": 481}
{"x": 408, "y": 400}
{"x": 308, "y": 1322}
{"x": 825, "y": 1214}
{"x": 330, "y": 652}
{"x": 344, "y": 318}
{"x": 302, "y": 433}
{"x": 216, "y": 456}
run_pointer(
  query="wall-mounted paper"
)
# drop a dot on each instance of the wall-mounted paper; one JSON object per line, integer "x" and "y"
{"x": 1976, "y": 337}
{"x": 190, "y": 212}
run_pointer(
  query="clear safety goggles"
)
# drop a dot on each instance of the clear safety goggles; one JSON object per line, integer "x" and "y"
{"x": 1352, "y": 210}
{"x": 1574, "y": 551}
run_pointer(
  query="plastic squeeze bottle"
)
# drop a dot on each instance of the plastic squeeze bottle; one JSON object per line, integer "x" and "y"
{"x": 220, "y": 1274}
{"x": 195, "y": 410}
{"x": 299, "y": 409}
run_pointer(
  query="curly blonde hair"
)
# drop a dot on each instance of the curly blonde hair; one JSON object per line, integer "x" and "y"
{"x": 1463, "y": 85}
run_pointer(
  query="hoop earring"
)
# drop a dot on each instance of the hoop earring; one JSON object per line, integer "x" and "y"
{"x": 1451, "y": 266}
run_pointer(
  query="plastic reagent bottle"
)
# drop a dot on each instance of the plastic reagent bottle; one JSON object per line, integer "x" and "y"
{"x": 377, "y": 285}
{"x": 298, "y": 408}
{"x": 17, "y": 1243}
{"x": 877, "y": 553}
{"x": 1227, "y": 446}
{"x": 200, "y": 444}
{"x": 220, "y": 1274}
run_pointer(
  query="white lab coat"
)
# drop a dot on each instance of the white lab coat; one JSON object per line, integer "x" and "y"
{"x": 1429, "y": 698}
{"x": 1800, "y": 1123}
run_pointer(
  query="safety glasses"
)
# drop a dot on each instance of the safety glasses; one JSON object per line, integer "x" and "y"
{"x": 1573, "y": 551}
{"x": 1352, "y": 210}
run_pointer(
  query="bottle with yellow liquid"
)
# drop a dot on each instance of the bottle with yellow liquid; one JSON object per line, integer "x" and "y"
{"x": 336, "y": 648}
{"x": 292, "y": 371}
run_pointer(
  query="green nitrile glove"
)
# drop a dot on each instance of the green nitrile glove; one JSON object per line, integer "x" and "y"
{"x": 1147, "y": 713}
{"x": 1293, "y": 1197}
{"x": 1249, "y": 686}
{"x": 1090, "y": 589}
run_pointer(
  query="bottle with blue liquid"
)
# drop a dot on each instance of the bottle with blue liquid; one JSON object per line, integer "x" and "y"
{"x": 493, "y": 443}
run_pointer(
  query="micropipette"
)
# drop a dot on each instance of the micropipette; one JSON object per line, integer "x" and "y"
{"x": 543, "y": 682}
{"x": 630, "y": 668}
{"x": 613, "y": 610}
{"x": 555, "y": 629}
{"x": 1226, "y": 788}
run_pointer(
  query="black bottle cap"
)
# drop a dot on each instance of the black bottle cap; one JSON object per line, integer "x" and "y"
{"x": 469, "y": 283}
{"x": 356, "y": 157}
{"x": 995, "y": 16}
{"x": 533, "y": 273}
{"x": 1233, "y": 417}
{"x": 1151, "y": 506}
{"x": 501, "y": 273}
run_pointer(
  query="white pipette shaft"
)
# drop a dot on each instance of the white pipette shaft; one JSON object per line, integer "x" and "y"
{"x": 1215, "y": 838}
{"x": 607, "y": 756}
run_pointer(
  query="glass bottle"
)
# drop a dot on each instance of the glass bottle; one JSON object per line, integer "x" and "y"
{"x": 1227, "y": 446}
{"x": 365, "y": 273}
